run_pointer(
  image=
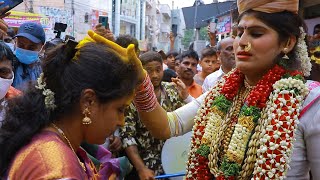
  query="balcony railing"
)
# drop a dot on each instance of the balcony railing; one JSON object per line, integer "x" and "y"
{"x": 165, "y": 10}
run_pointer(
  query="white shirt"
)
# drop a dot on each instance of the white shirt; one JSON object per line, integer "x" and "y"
{"x": 164, "y": 66}
{"x": 212, "y": 80}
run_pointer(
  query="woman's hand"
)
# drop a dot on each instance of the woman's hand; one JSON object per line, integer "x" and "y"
{"x": 128, "y": 55}
{"x": 146, "y": 174}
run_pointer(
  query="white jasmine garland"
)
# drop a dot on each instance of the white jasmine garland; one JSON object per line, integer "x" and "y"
{"x": 237, "y": 147}
{"x": 201, "y": 120}
{"x": 302, "y": 53}
{"x": 287, "y": 97}
{"x": 210, "y": 132}
{"x": 48, "y": 94}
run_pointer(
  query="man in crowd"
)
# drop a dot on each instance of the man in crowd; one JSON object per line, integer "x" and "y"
{"x": 316, "y": 31}
{"x": 209, "y": 63}
{"x": 29, "y": 42}
{"x": 142, "y": 149}
{"x": 186, "y": 70}
{"x": 226, "y": 57}
{"x": 315, "y": 54}
{"x": 6, "y": 78}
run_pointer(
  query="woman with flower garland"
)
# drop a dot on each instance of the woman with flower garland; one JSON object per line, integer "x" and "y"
{"x": 246, "y": 126}
{"x": 80, "y": 97}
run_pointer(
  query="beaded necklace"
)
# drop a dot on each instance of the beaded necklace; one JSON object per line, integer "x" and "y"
{"x": 69, "y": 144}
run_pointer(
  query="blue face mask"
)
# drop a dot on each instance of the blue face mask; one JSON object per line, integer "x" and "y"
{"x": 26, "y": 56}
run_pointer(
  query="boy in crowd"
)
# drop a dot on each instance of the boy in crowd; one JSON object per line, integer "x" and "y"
{"x": 171, "y": 55}
{"x": 226, "y": 56}
{"x": 142, "y": 149}
{"x": 209, "y": 63}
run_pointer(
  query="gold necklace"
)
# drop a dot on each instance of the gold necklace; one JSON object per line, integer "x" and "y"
{"x": 65, "y": 137}
{"x": 248, "y": 86}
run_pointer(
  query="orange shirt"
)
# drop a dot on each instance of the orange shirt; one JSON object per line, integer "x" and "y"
{"x": 195, "y": 90}
{"x": 12, "y": 92}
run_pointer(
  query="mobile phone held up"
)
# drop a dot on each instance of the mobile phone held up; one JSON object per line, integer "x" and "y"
{"x": 10, "y": 3}
{"x": 213, "y": 25}
{"x": 104, "y": 21}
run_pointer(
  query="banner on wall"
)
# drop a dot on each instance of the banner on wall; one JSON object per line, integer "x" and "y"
{"x": 16, "y": 18}
{"x": 224, "y": 24}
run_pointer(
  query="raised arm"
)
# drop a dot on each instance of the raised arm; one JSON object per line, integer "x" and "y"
{"x": 160, "y": 124}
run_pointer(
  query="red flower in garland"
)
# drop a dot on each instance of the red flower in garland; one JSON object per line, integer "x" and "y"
{"x": 259, "y": 96}
{"x": 295, "y": 73}
{"x": 233, "y": 82}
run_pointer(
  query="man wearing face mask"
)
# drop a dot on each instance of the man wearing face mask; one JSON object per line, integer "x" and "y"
{"x": 29, "y": 42}
{"x": 6, "y": 77}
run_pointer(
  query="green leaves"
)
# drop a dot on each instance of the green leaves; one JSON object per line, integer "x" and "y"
{"x": 204, "y": 150}
{"x": 222, "y": 103}
{"x": 253, "y": 111}
{"x": 230, "y": 168}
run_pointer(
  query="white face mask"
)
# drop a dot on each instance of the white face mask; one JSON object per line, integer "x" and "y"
{"x": 4, "y": 86}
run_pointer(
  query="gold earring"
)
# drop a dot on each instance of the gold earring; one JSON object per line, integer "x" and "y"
{"x": 247, "y": 48}
{"x": 86, "y": 120}
{"x": 285, "y": 51}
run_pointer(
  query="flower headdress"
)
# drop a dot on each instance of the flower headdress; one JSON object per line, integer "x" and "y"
{"x": 49, "y": 95}
{"x": 302, "y": 54}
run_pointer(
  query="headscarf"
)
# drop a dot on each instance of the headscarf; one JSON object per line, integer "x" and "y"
{"x": 268, "y": 6}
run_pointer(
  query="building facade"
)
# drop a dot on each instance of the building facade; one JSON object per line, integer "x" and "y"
{"x": 178, "y": 25}
{"x": 147, "y": 20}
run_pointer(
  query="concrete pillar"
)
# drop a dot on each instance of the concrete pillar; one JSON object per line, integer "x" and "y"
{"x": 109, "y": 11}
{"x": 117, "y": 19}
{"x": 138, "y": 24}
{"x": 143, "y": 20}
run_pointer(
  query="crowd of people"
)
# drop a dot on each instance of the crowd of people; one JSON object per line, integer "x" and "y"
{"x": 102, "y": 109}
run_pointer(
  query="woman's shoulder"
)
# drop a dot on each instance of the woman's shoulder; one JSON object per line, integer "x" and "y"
{"x": 46, "y": 157}
{"x": 314, "y": 94}
{"x": 310, "y": 112}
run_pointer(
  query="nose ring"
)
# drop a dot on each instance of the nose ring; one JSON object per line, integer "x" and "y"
{"x": 247, "y": 48}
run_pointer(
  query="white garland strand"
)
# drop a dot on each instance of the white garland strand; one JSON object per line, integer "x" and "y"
{"x": 273, "y": 156}
{"x": 48, "y": 94}
{"x": 302, "y": 54}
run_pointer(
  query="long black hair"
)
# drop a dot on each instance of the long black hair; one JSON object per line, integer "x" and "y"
{"x": 286, "y": 24}
{"x": 96, "y": 67}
